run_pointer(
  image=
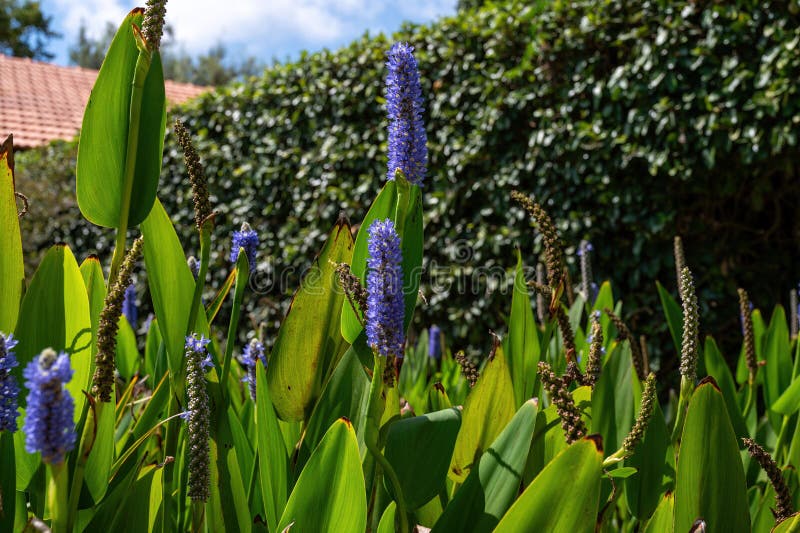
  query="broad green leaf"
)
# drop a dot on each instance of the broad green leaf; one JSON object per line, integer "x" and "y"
{"x": 487, "y": 410}
{"x": 12, "y": 269}
{"x": 132, "y": 514}
{"x": 718, "y": 369}
{"x": 273, "y": 461}
{"x": 103, "y": 146}
{"x": 613, "y": 396}
{"x": 98, "y": 465}
{"x": 309, "y": 342}
{"x": 386, "y": 525}
{"x": 674, "y": 314}
{"x": 95, "y": 283}
{"x": 227, "y": 508}
{"x": 710, "y": 479}
{"x": 778, "y": 368}
{"x": 523, "y": 338}
{"x": 330, "y": 495}
{"x": 789, "y": 401}
{"x": 171, "y": 287}
{"x": 419, "y": 449}
{"x": 154, "y": 409}
{"x": 55, "y": 314}
{"x": 412, "y": 244}
{"x": 155, "y": 354}
{"x": 493, "y": 484}
{"x": 622, "y": 473}
{"x": 644, "y": 489}
{"x": 565, "y": 496}
{"x": 382, "y": 207}
{"x": 343, "y": 395}
{"x": 661, "y": 522}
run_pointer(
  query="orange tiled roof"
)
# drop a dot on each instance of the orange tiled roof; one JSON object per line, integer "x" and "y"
{"x": 41, "y": 102}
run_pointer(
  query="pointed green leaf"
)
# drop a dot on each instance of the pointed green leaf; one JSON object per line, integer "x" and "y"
{"x": 419, "y": 449}
{"x": 127, "y": 356}
{"x": 55, "y": 314}
{"x": 309, "y": 342}
{"x": 95, "y": 283}
{"x": 330, "y": 495}
{"x": 487, "y": 410}
{"x": 273, "y": 461}
{"x": 778, "y": 368}
{"x": 661, "y": 522}
{"x": 717, "y": 368}
{"x": 790, "y": 525}
{"x": 343, "y": 395}
{"x": 565, "y": 496}
{"x": 98, "y": 465}
{"x": 103, "y": 145}
{"x": 12, "y": 269}
{"x": 710, "y": 479}
{"x": 523, "y": 338}
{"x": 493, "y": 484}
{"x": 386, "y": 525}
{"x": 644, "y": 490}
{"x": 171, "y": 286}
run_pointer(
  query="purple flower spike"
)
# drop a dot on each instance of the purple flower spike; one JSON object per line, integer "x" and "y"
{"x": 385, "y": 307}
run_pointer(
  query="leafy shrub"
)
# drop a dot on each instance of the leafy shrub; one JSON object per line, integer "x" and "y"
{"x": 631, "y": 121}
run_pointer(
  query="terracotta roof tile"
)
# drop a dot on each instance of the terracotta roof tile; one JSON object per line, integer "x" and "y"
{"x": 41, "y": 102}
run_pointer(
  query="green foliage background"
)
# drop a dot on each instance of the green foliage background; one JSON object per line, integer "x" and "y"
{"x": 632, "y": 121}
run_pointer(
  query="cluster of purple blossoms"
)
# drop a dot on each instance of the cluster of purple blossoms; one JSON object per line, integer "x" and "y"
{"x": 435, "y": 342}
{"x": 246, "y": 239}
{"x": 251, "y": 355}
{"x": 385, "y": 306}
{"x": 407, "y": 142}
{"x": 48, "y": 420}
{"x": 9, "y": 390}
{"x": 129, "y": 308}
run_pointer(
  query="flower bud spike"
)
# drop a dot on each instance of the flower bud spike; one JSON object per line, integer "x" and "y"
{"x": 571, "y": 422}
{"x": 624, "y": 334}
{"x": 553, "y": 249}
{"x": 197, "y": 177}
{"x": 691, "y": 326}
{"x": 103, "y": 378}
{"x": 639, "y": 428}
{"x": 594, "y": 361}
{"x": 468, "y": 369}
{"x": 680, "y": 258}
{"x": 197, "y": 448}
{"x": 588, "y": 286}
{"x": 783, "y": 497}
{"x": 746, "y": 317}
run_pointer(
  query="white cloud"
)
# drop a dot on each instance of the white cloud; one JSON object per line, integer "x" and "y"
{"x": 267, "y": 28}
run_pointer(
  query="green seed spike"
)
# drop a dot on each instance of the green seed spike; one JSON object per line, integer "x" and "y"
{"x": 691, "y": 326}
{"x": 571, "y": 422}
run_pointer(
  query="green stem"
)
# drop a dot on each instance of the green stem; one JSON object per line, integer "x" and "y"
{"x": 687, "y": 388}
{"x": 57, "y": 497}
{"x": 375, "y": 409}
{"x": 197, "y": 297}
{"x": 242, "y": 277}
{"x": 137, "y": 89}
{"x": 749, "y": 402}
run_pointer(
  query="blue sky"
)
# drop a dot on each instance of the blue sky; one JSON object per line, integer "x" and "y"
{"x": 266, "y": 29}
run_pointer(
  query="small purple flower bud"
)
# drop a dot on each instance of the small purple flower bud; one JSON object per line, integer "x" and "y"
{"x": 435, "y": 342}
{"x": 48, "y": 419}
{"x": 9, "y": 390}
{"x": 129, "y": 308}
{"x": 251, "y": 355}
{"x": 247, "y": 239}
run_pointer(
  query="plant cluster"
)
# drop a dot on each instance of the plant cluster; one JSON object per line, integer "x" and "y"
{"x": 342, "y": 424}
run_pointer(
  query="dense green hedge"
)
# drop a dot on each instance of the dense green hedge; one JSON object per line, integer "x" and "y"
{"x": 631, "y": 120}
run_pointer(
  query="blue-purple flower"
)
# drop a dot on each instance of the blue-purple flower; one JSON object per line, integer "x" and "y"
{"x": 251, "y": 355}
{"x": 385, "y": 307}
{"x": 48, "y": 419}
{"x": 408, "y": 150}
{"x": 435, "y": 342}
{"x": 198, "y": 345}
{"x": 247, "y": 239}
{"x": 9, "y": 390}
{"x": 129, "y": 308}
